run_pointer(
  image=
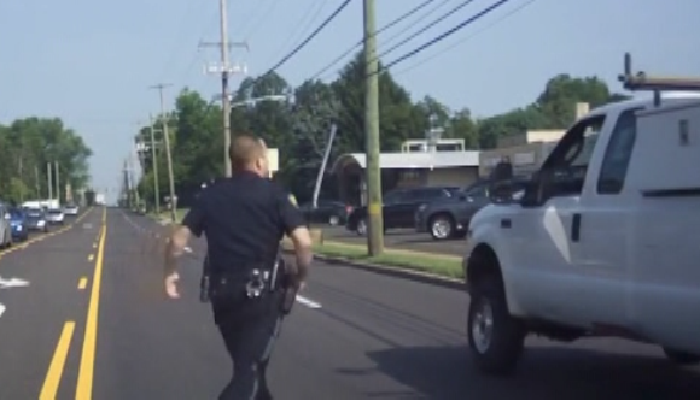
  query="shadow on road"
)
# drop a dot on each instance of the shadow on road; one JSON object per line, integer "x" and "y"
{"x": 544, "y": 374}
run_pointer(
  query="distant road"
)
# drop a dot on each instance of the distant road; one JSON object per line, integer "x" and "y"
{"x": 356, "y": 335}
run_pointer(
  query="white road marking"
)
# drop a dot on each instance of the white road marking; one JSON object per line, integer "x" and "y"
{"x": 308, "y": 302}
{"x": 2, "y": 309}
{"x": 12, "y": 282}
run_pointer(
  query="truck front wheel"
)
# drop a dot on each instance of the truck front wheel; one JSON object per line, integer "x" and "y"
{"x": 496, "y": 339}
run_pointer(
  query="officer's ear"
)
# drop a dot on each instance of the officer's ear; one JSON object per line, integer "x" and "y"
{"x": 260, "y": 164}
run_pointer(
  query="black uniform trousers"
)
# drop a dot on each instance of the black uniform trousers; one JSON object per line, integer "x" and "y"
{"x": 249, "y": 329}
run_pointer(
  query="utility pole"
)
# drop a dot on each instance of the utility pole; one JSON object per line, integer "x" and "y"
{"x": 375, "y": 233}
{"x": 37, "y": 183}
{"x": 322, "y": 171}
{"x": 126, "y": 187}
{"x": 20, "y": 169}
{"x": 48, "y": 179}
{"x": 58, "y": 187}
{"x": 225, "y": 69}
{"x": 166, "y": 139}
{"x": 155, "y": 168}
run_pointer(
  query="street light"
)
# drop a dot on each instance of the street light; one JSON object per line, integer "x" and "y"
{"x": 251, "y": 102}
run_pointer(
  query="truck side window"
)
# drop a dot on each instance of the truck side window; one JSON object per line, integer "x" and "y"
{"x": 618, "y": 153}
{"x": 565, "y": 169}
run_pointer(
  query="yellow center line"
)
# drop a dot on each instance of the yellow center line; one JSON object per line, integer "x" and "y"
{"x": 87, "y": 359}
{"x": 53, "y": 377}
{"x": 82, "y": 283}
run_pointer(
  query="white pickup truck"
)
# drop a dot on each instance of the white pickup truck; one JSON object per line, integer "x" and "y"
{"x": 605, "y": 240}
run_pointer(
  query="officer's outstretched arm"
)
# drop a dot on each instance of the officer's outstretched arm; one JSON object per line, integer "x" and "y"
{"x": 302, "y": 247}
{"x": 174, "y": 248}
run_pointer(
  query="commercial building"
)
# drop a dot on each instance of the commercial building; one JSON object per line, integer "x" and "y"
{"x": 525, "y": 150}
{"x": 422, "y": 163}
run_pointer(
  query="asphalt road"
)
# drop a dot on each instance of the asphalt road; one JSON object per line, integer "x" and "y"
{"x": 400, "y": 239}
{"x": 373, "y": 336}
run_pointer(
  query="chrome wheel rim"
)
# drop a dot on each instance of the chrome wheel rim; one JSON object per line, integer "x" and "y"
{"x": 441, "y": 228}
{"x": 482, "y": 326}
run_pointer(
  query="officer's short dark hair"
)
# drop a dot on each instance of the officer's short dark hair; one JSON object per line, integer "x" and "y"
{"x": 244, "y": 150}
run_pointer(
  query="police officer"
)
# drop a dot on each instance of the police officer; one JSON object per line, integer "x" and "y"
{"x": 244, "y": 218}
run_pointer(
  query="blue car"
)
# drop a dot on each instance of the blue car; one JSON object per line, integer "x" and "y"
{"x": 18, "y": 221}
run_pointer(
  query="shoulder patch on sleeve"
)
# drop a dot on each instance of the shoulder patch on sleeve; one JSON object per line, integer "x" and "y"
{"x": 293, "y": 200}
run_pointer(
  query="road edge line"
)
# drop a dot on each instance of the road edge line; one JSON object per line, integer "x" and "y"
{"x": 87, "y": 359}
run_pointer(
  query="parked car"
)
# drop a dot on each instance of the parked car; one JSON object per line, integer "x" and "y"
{"x": 399, "y": 208}
{"x": 36, "y": 220}
{"x": 5, "y": 227}
{"x": 55, "y": 216}
{"x": 603, "y": 242}
{"x": 70, "y": 209}
{"x": 326, "y": 212}
{"x": 448, "y": 217}
{"x": 18, "y": 222}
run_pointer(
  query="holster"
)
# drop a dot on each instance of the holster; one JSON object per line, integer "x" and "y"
{"x": 235, "y": 286}
{"x": 287, "y": 286}
{"x": 230, "y": 288}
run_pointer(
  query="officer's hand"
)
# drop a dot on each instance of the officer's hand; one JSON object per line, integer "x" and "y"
{"x": 171, "y": 285}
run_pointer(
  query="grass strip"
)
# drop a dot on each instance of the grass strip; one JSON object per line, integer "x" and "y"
{"x": 449, "y": 267}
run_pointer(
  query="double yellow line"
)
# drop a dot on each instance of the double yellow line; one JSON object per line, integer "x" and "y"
{"x": 51, "y": 384}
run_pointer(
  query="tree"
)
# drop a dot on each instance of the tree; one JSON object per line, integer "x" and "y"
{"x": 27, "y": 145}
{"x": 398, "y": 118}
{"x": 301, "y": 131}
{"x": 554, "y": 108}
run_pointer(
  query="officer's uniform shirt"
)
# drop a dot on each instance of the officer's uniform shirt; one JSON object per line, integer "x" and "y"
{"x": 244, "y": 218}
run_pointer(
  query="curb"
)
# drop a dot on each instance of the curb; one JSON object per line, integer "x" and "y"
{"x": 394, "y": 272}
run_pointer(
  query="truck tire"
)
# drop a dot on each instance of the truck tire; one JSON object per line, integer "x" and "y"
{"x": 496, "y": 339}
{"x": 682, "y": 358}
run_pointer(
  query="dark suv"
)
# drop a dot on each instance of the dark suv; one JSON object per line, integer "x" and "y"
{"x": 449, "y": 217}
{"x": 399, "y": 208}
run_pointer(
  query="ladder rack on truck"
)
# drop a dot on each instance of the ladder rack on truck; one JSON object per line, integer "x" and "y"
{"x": 641, "y": 81}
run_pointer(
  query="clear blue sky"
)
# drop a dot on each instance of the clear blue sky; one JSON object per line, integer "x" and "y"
{"x": 91, "y": 62}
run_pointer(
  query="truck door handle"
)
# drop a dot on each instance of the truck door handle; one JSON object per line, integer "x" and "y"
{"x": 506, "y": 223}
{"x": 576, "y": 227}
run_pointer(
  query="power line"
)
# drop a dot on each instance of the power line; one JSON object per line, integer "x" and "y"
{"x": 311, "y": 36}
{"x": 253, "y": 16}
{"x": 289, "y": 39}
{"x": 384, "y": 28}
{"x": 465, "y": 39}
{"x": 306, "y": 24}
{"x": 426, "y": 27}
{"x": 446, "y": 34}
{"x": 267, "y": 12}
